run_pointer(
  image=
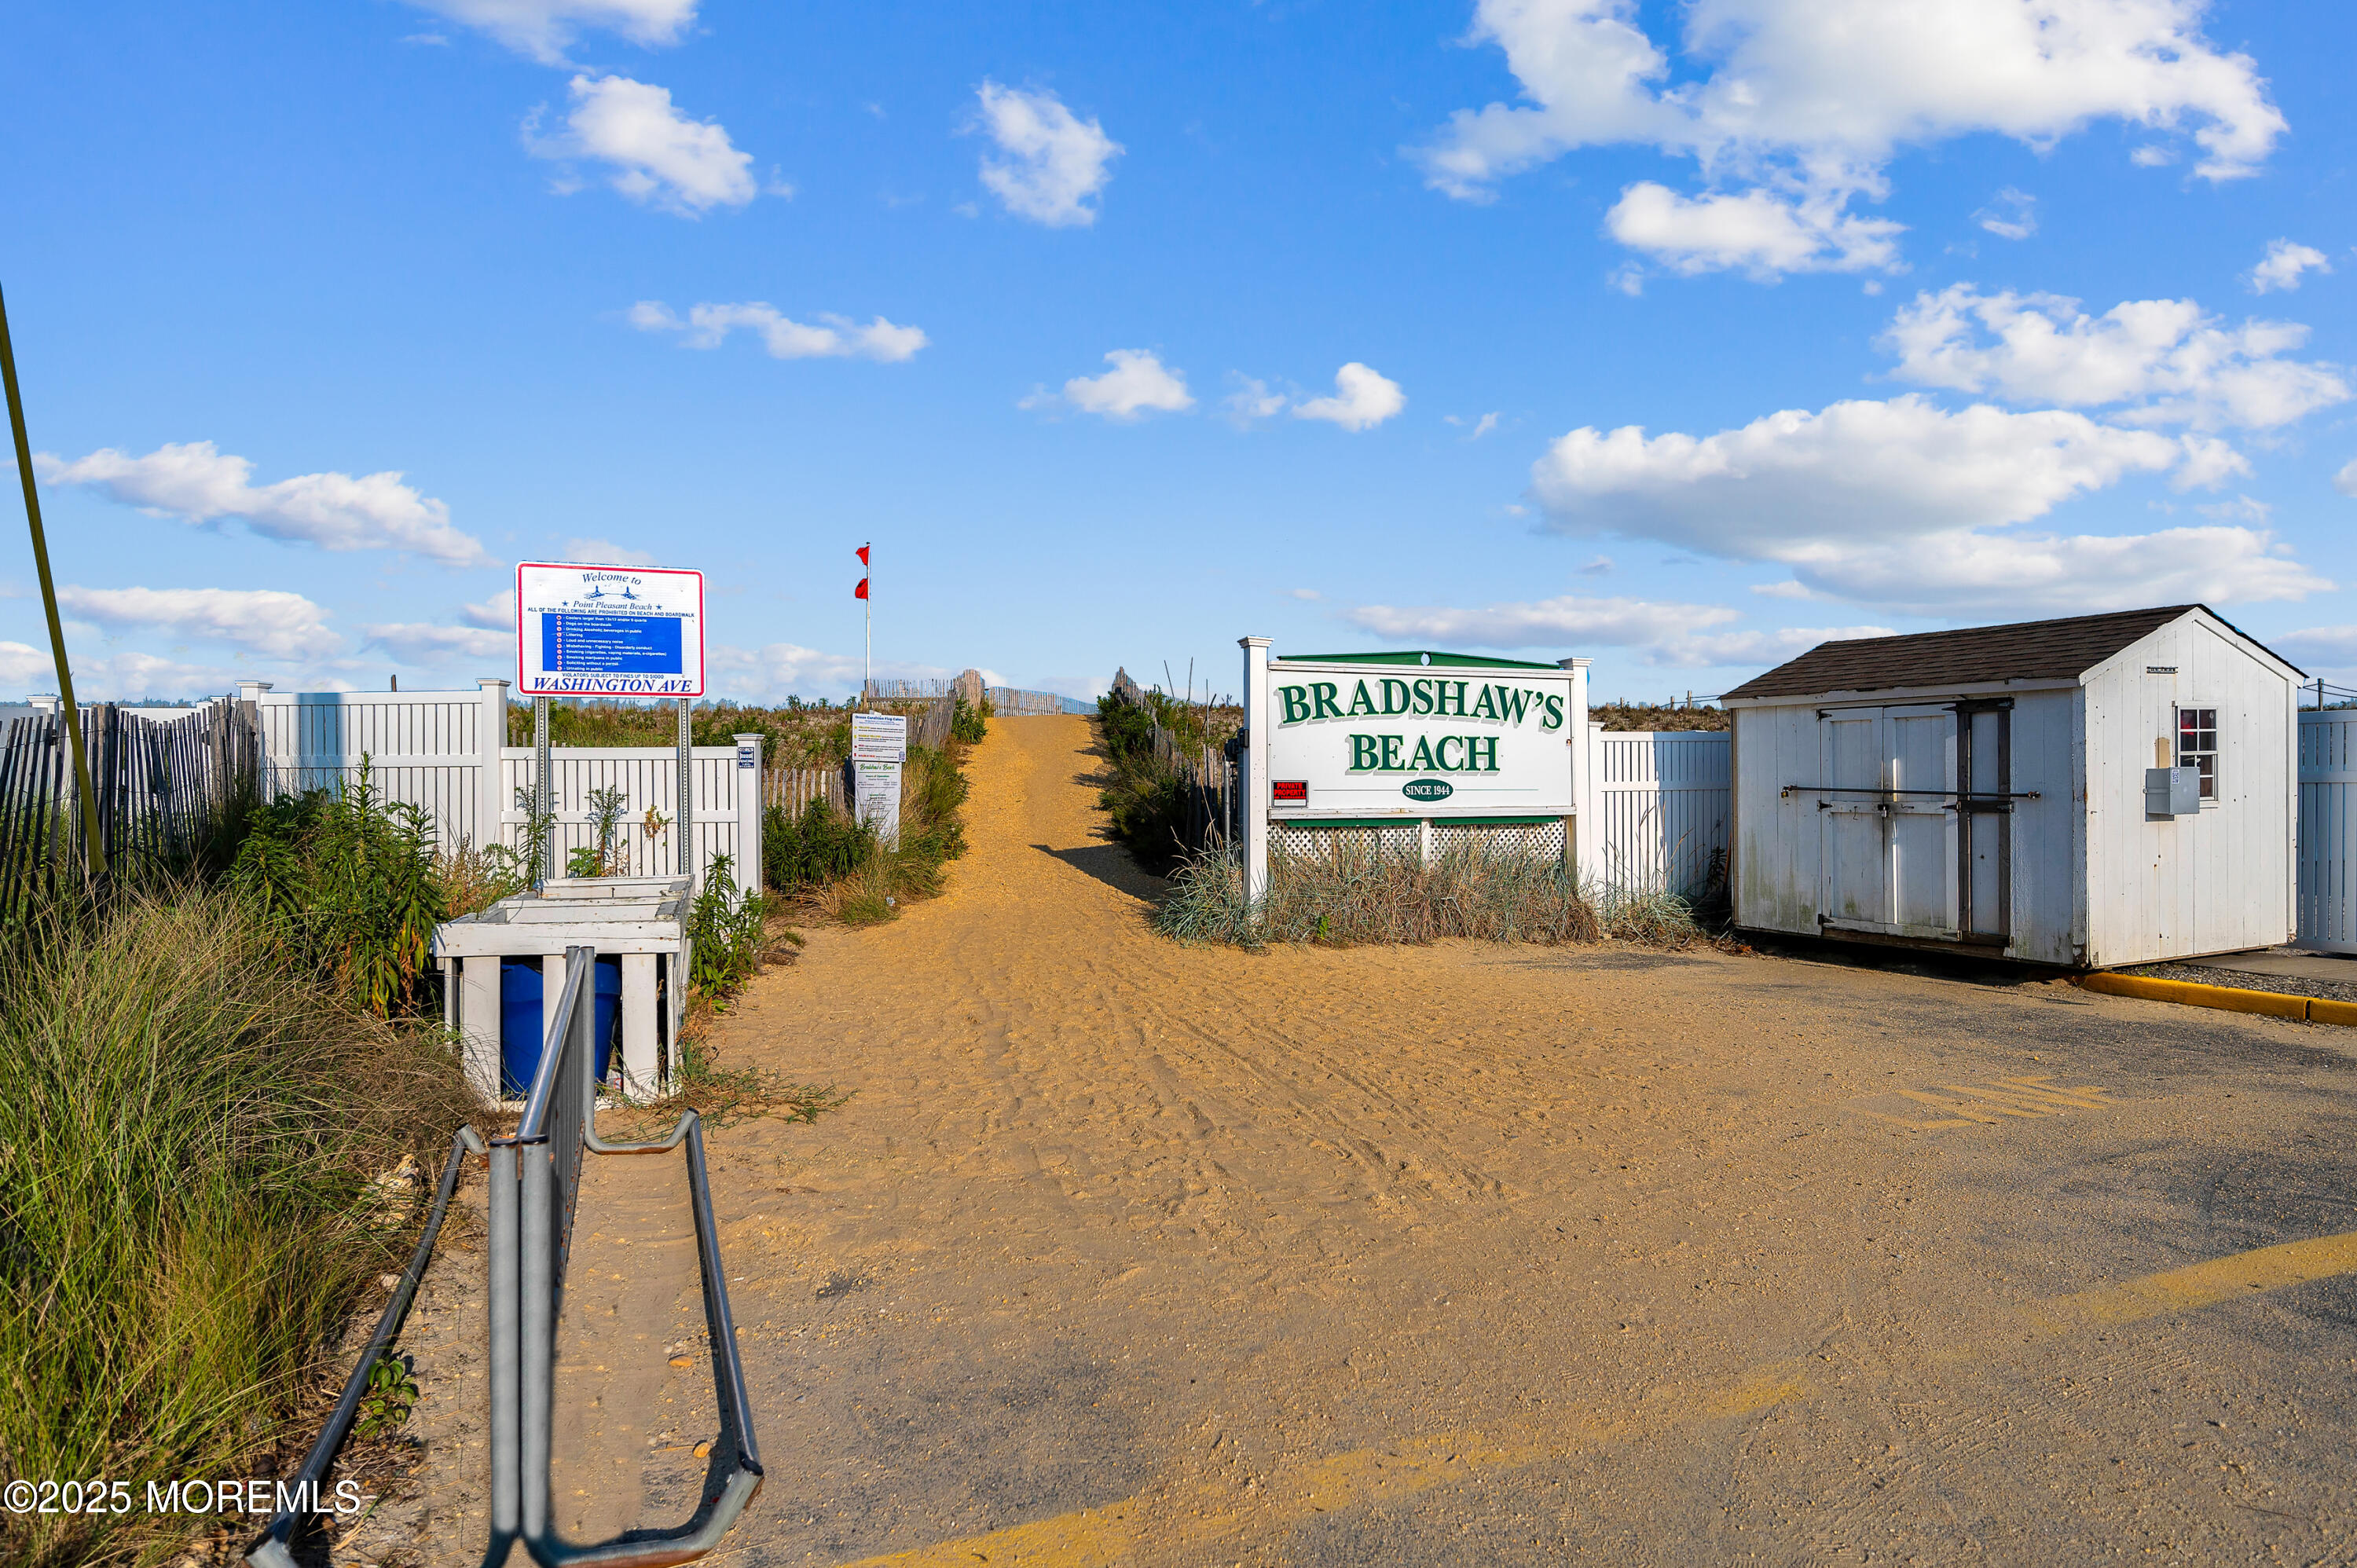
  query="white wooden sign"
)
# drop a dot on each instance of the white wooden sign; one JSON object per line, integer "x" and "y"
{"x": 879, "y": 747}
{"x": 608, "y": 631}
{"x": 1420, "y": 735}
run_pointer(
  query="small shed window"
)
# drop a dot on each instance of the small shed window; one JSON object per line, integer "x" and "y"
{"x": 2197, "y": 746}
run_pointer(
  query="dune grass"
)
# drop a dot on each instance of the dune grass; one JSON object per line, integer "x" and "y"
{"x": 187, "y": 1146}
{"x": 1354, "y": 892}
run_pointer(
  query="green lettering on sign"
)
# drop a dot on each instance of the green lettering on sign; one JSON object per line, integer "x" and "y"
{"x": 1360, "y": 703}
{"x": 1297, "y": 703}
{"x": 1322, "y": 693}
{"x": 1366, "y": 754}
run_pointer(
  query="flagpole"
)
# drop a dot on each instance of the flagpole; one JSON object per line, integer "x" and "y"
{"x": 867, "y": 605}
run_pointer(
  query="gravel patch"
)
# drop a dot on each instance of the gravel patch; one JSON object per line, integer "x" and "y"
{"x": 2243, "y": 980}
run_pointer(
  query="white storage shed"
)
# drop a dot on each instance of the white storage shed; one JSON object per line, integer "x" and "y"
{"x": 2099, "y": 791}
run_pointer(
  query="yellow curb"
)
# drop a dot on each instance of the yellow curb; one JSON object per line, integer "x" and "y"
{"x": 2231, "y": 999}
{"x": 2319, "y": 1011}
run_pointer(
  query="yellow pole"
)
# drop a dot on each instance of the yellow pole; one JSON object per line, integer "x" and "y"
{"x": 93, "y": 850}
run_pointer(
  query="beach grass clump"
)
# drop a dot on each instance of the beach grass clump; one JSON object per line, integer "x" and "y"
{"x": 842, "y": 868}
{"x": 1355, "y": 891}
{"x": 188, "y": 1144}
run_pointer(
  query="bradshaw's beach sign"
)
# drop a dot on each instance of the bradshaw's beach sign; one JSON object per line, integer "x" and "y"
{"x": 1421, "y": 735}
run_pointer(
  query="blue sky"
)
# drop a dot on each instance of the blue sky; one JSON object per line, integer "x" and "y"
{"x": 1676, "y": 336}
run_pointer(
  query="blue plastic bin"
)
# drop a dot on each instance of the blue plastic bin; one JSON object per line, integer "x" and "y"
{"x": 523, "y": 1030}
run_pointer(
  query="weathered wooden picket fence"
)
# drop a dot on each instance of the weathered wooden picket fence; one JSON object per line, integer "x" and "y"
{"x": 1206, "y": 778}
{"x": 794, "y": 789}
{"x": 162, "y": 789}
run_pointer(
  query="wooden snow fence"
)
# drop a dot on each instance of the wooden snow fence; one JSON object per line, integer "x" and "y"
{"x": 1207, "y": 791}
{"x": 163, "y": 788}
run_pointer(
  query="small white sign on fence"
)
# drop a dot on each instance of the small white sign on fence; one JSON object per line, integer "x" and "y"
{"x": 879, "y": 747}
{"x": 608, "y": 631}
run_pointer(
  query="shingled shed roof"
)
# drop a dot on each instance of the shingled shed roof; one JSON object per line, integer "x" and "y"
{"x": 2025, "y": 651}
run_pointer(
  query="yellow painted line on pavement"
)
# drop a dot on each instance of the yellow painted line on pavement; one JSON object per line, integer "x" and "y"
{"x": 1197, "y": 1514}
{"x": 2221, "y": 1279}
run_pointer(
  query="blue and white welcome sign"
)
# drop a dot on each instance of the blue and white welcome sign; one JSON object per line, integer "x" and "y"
{"x": 608, "y": 631}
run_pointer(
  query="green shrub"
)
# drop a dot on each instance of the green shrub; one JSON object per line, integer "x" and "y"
{"x": 967, "y": 723}
{"x": 187, "y": 1210}
{"x": 350, "y": 888}
{"x": 1147, "y": 807}
{"x": 811, "y": 847}
{"x": 1128, "y": 728}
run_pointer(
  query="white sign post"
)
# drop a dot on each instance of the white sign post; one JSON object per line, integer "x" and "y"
{"x": 1414, "y": 739}
{"x": 879, "y": 747}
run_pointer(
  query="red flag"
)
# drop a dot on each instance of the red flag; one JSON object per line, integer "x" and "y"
{"x": 863, "y": 561}
{"x": 860, "y": 592}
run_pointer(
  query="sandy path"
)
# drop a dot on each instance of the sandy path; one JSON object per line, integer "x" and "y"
{"x": 1132, "y": 1252}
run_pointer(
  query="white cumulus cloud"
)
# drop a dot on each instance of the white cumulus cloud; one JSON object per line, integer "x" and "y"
{"x": 1051, "y": 163}
{"x": 2326, "y": 647}
{"x": 1251, "y": 400}
{"x": 2010, "y": 215}
{"x": 266, "y": 621}
{"x": 837, "y": 337}
{"x": 1138, "y": 382}
{"x": 197, "y": 481}
{"x": 1800, "y": 105}
{"x": 543, "y": 29}
{"x": 1904, "y": 504}
{"x": 2345, "y": 481}
{"x": 24, "y": 667}
{"x": 424, "y": 645}
{"x": 1758, "y": 231}
{"x": 1364, "y": 398}
{"x": 2281, "y": 266}
{"x": 487, "y": 628}
{"x": 1664, "y": 632}
{"x": 658, "y": 154}
{"x": 779, "y": 670}
{"x": 497, "y": 613}
{"x": 2162, "y": 360}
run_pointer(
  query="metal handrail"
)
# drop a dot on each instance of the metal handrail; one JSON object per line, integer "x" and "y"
{"x": 533, "y": 1127}
{"x": 534, "y": 1182}
{"x": 274, "y": 1547}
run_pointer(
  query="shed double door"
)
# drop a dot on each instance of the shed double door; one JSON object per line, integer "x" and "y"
{"x": 1905, "y": 852}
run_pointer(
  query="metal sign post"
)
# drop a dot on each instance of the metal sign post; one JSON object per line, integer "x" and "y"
{"x": 544, "y": 797}
{"x": 686, "y": 864}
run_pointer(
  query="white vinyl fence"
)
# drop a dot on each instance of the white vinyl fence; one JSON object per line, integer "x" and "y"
{"x": 1659, "y": 801}
{"x": 446, "y": 751}
{"x": 2326, "y": 897}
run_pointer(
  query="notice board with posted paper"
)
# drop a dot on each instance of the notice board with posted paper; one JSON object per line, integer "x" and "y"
{"x": 879, "y": 748}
